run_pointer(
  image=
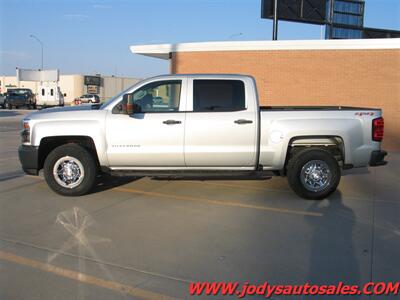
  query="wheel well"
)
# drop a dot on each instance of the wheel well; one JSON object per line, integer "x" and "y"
{"x": 332, "y": 144}
{"x": 48, "y": 144}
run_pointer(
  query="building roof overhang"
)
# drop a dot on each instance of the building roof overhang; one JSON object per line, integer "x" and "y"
{"x": 163, "y": 51}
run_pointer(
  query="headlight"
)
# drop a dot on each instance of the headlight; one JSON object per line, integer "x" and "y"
{"x": 26, "y": 131}
{"x": 25, "y": 124}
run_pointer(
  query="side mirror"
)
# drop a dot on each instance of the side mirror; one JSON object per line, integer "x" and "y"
{"x": 127, "y": 99}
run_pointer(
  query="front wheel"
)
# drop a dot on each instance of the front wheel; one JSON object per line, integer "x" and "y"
{"x": 313, "y": 173}
{"x": 70, "y": 170}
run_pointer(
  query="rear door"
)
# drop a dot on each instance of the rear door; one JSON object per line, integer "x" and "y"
{"x": 42, "y": 96}
{"x": 221, "y": 125}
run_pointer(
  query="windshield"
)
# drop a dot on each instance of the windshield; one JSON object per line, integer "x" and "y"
{"x": 18, "y": 92}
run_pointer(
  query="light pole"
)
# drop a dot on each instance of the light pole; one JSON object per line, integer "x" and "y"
{"x": 275, "y": 24}
{"x": 41, "y": 44}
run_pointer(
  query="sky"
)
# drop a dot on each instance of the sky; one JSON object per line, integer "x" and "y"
{"x": 93, "y": 36}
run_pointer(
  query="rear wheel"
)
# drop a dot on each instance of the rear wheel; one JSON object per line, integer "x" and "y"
{"x": 70, "y": 170}
{"x": 9, "y": 106}
{"x": 313, "y": 173}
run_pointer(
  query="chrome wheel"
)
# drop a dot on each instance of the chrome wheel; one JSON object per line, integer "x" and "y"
{"x": 68, "y": 172}
{"x": 315, "y": 175}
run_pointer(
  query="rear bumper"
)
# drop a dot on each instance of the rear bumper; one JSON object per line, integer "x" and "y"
{"x": 19, "y": 102}
{"x": 28, "y": 156}
{"x": 377, "y": 158}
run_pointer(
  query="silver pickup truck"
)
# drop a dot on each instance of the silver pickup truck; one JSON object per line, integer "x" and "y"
{"x": 199, "y": 125}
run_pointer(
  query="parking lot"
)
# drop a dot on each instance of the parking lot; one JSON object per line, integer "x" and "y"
{"x": 142, "y": 238}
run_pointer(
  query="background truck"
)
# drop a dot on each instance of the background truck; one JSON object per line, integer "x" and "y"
{"x": 2, "y": 98}
{"x": 49, "y": 95}
{"x": 19, "y": 97}
{"x": 203, "y": 125}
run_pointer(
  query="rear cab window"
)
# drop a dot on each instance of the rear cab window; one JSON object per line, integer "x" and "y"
{"x": 218, "y": 95}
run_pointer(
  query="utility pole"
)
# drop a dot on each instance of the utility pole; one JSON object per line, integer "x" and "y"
{"x": 41, "y": 44}
{"x": 275, "y": 25}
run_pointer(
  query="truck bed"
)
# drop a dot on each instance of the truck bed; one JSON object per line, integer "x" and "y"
{"x": 329, "y": 108}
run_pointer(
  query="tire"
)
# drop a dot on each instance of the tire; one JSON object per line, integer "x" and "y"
{"x": 80, "y": 159}
{"x": 9, "y": 106}
{"x": 318, "y": 184}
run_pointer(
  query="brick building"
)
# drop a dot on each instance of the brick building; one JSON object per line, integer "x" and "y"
{"x": 318, "y": 72}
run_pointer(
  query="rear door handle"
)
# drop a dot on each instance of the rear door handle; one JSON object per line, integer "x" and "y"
{"x": 243, "y": 121}
{"x": 172, "y": 122}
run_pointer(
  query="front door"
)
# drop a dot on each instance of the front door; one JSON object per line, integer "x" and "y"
{"x": 153, "y": 135}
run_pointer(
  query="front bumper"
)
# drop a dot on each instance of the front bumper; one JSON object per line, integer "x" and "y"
{"x": 377, "y": 158}
{"x": 28, "y": 156}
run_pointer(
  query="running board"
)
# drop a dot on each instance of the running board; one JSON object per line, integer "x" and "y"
{"x": 192, "y": 174}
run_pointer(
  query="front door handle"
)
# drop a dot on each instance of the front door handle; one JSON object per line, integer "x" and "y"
{"x": 243, "y": 121}
{"x": 172, "y": 122}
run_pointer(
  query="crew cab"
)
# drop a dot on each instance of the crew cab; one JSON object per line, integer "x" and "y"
{"x": 20, "y": 97}
{"x": 199, "y": 125}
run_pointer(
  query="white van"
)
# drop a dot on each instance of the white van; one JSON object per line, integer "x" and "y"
{"x": 49, "y": 95}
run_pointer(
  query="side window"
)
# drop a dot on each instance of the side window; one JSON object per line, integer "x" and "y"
{"x": 161, "y": 96}
{"x": 218, "y": 95}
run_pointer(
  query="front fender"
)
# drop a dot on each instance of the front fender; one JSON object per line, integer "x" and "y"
{"x": 90, "y": 128}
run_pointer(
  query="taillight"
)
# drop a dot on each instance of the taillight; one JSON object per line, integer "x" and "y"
{"x": 378, "y": 126}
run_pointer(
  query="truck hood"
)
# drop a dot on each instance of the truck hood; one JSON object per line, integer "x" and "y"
{"x": 68, "y": 112}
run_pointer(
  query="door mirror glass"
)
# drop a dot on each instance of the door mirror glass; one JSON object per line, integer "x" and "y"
{"x": 125, "y": 107}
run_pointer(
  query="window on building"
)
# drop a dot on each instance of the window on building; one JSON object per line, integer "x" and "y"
{"x": 43, "y": 92}
{"x": 51, "y": 92}
{"x": 218, "y": 95}
{"x": 346, "y": 33}
{"x": 342, "y": 18}
{"x": 348, "y": 19}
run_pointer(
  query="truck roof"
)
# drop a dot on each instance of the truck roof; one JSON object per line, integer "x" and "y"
{"x": 18, "y": 89}
{"x": 203, "y": 75}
